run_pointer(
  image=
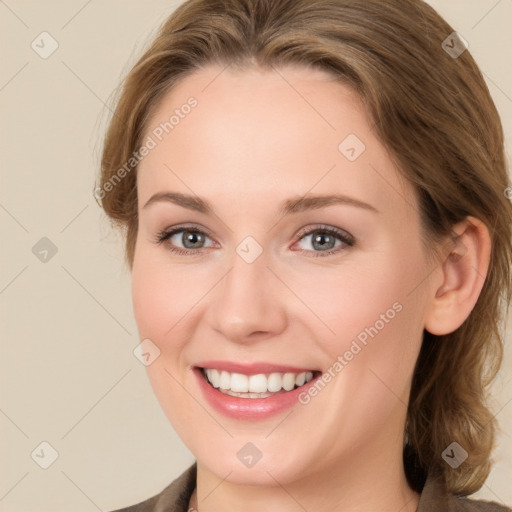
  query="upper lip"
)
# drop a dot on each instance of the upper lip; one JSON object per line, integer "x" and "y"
{"x": 252, "y": 368}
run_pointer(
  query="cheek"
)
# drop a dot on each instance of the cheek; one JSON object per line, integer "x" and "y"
{"x": 165, "y": 300}
{"x": 161, "y": 296}
{"x": 376, "y": 311}
{"x": 159, "y": 302}
{"x": 150, "y": 300}
{"x": 373, "y": 299}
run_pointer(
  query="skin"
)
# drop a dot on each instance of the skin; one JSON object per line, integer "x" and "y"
{"x": 255, "y": 139}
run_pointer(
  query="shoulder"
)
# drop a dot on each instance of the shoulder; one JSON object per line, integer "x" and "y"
{"x": 435, "y": 498}
{"x": 175, "y": 497}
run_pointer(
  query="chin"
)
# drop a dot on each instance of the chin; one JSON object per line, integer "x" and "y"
{"x": 264, "y": 472}
{"x": 236, "y": 460}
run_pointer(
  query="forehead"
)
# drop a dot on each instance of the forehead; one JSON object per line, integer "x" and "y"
{"x": 256, "y": 134}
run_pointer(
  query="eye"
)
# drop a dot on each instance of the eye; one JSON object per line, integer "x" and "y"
{"x": 324, "y": 239}
{"x": 192, "y": 239}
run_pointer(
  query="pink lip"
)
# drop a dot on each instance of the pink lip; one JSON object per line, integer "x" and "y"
{"x": 250, "y": 409}
{"x": 252, "y": 368}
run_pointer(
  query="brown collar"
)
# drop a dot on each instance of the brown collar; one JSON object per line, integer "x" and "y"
{"x": 434, "y": 498}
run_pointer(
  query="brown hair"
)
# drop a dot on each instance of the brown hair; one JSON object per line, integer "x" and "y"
{"x": 435, "y": 115}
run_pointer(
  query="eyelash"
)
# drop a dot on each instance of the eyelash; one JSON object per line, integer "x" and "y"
{"x": 347, "y": 240}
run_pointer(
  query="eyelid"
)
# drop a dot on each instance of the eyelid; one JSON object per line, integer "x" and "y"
{"x": 187, "y": 227}
{"x": 308, "y": 230}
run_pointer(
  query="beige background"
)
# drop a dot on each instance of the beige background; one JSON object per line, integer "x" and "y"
{"x": 68, "y": 375}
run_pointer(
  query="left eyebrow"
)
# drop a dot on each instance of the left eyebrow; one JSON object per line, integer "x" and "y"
{"x": 186, "y": 201}
{"x": 304, "y": 203}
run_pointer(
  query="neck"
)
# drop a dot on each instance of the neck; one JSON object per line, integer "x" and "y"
{"x": 365, "y": 483}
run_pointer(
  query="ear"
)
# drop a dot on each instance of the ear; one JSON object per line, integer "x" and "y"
{"x": 463, "y": 272}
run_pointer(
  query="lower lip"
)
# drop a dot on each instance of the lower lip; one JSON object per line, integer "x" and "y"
{"x": 249, "y": 408}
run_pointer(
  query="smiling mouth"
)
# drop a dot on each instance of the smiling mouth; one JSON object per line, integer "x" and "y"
{"x": 261, "y": 385}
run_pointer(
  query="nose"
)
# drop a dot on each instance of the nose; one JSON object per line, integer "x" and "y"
{"x": 249, "y": 303}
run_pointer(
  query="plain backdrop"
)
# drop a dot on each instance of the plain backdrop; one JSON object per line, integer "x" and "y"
{"x": 68, "y": 374}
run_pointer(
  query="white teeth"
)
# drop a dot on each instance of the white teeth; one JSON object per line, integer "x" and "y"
{"x": 288, "y": 381}
{"x": 247, "y": 395}
{"x": 213, "y": 377}
{"x": 239, "y": 383}
{"x": 224, "y": 380}
{"x": 274, "y": 382}
{"x": 258, "y": 383}
{"x": 255, "y": 386}
{"x": 300, "y": 379}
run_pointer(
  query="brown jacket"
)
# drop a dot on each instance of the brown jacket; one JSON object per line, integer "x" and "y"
{"x": 434, "y": 498}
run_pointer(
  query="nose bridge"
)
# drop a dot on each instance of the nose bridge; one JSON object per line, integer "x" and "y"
{"x": 246, "y": 301}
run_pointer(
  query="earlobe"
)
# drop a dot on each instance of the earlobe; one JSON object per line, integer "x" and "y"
{"x": 463, "y": 271}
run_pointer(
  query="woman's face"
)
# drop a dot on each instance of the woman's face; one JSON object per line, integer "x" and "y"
{"x": 264, "y": 278}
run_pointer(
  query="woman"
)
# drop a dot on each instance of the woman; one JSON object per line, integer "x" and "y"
{"x": 314, "y": 195}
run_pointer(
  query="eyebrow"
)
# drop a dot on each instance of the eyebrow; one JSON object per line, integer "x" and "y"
{"x": 290, "y": 206}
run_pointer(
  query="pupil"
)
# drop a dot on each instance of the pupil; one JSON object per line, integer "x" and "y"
{"x": 192, "y": 238}
{"x": 318, "y": 239}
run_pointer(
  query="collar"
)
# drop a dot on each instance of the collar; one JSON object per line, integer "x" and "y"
{"x": 433, "y": 498}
